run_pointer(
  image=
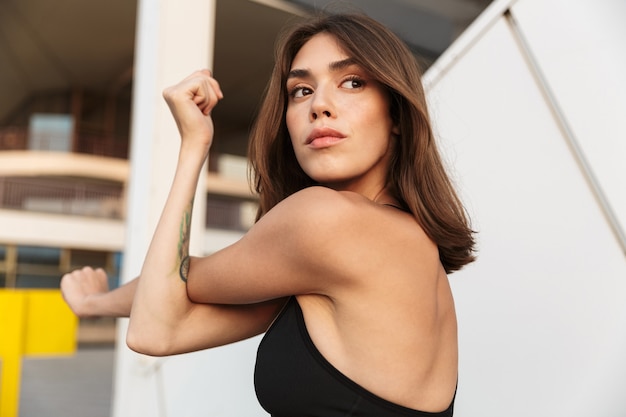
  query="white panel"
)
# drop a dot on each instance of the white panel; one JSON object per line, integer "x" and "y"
{"x": 579, "y": 46}
{"x": 542, "y": 316}
{"x": 217, "y": 382}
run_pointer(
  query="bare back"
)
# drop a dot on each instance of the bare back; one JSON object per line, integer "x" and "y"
{"x": 393, "y": 331}
{"x": 374, "y": 296}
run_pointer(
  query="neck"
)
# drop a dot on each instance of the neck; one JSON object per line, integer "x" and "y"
{"x": 379, "y": 194}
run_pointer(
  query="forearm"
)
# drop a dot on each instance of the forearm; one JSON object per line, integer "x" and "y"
{"x": 115, "y": 303}
{"x": 161, "y": 303}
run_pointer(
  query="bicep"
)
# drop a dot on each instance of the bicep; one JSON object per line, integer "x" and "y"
{"x": 294, "y": 249}
{"x": 255, "y": 269}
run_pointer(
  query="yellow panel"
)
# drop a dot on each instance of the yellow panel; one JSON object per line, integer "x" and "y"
{"x": 10, "y": 385}
{"x": 12, "y": 317}
{"x": 50, "y": 324}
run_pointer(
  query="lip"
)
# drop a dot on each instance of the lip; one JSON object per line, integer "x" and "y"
{"x": 324, "y": 136}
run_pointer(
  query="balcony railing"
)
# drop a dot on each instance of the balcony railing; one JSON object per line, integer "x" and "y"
{"x": 88, "y": 141}
{"x": 230, "y": 206}
{"x": 62, "y": 196}
{"x": 83, "y": 198}
{"x": 229, "y": 214}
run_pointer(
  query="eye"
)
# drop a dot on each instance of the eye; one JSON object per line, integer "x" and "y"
{"x": 353, "y": 82}
{"x": 300, "y": 91}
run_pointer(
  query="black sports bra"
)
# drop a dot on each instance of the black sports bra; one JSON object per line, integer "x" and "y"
{"x": 293, "y": 379}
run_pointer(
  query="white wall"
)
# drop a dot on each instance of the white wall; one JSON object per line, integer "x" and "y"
{"x": 542, "y": 313}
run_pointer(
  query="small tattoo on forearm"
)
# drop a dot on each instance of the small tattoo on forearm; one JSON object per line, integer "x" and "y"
{"x": 184, "y": 269}
{"x": 183, "y": 242}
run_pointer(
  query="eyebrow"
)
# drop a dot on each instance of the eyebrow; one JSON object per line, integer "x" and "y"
{"x": 333, "y": 66}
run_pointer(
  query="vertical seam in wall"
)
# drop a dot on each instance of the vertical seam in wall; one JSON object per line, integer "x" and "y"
{"x": 567, "y": 131}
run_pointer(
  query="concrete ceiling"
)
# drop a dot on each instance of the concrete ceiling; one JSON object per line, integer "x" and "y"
{"x": 427, "y": 26}
{"x": 56, "y": 46}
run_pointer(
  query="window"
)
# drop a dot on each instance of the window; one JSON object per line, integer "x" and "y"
{"x": 50, "y": 132}
{"x": 43, "y": 267}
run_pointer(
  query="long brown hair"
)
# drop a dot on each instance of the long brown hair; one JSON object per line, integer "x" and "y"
{"x": 417, "y": 178}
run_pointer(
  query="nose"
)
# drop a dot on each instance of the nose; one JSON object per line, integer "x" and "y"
{"x": 314, "y": 115}
{"x": 322, "y": 104}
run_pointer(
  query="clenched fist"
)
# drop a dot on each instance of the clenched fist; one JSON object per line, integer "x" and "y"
{"x": 191, "y": 102}
{"x": 81, "y": 287}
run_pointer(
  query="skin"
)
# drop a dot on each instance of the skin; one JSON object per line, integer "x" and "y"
{"x": 338, "y": 95}
{"x": 368, "y": 279}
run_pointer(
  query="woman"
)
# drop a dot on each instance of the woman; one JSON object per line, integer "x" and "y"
{"x": 358, "y": 226}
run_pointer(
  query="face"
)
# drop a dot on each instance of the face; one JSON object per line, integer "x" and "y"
{"x": 338, "y": 119}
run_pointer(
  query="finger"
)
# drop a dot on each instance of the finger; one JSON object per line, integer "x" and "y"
{"x": 209, "y": 98}
{"x": 103, "y": 282}
{"x": 213, "y": 84}
{"x": 86, "y": 270}
{"x": 206, "y": 71}
{"x": 216, "y": 87}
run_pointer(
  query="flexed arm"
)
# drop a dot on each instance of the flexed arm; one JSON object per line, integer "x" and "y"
{"x": 161, "y": 304}
{"x": 163, "y": 321}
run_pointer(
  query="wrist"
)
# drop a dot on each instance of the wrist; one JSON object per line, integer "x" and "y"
{"x": 193, "y": 153}
{"x": 90, "y": 307}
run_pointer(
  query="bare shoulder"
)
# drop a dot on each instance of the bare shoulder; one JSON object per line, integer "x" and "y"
{"x": 318, "y": 200}
{"x": 310, "y": 222}
{"x": 350, "y": 231}
{"x": 311, "y": 210}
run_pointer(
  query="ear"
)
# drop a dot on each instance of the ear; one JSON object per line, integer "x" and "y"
{"x": 395, "y": 129}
